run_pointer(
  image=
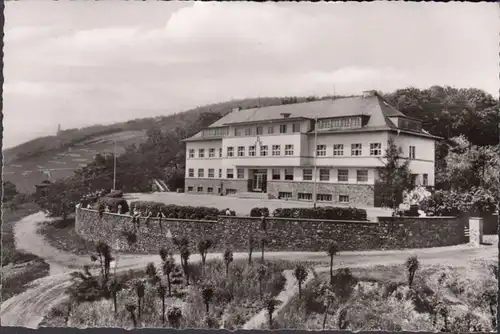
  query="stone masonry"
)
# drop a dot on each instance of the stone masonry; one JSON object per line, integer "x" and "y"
{"x": 215, "y": 184}
{"x": 283, "y": 234}
{"x": 359, "y": 194}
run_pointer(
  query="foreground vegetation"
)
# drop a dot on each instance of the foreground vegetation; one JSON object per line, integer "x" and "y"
{"x": 18, "y": 268}
{"x": 408, "y": 297}
{"x": 218, "y": 294}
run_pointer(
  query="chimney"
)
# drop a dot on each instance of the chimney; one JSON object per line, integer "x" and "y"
{"x": 368, "y": 93}
{"x": 285, "y": 114}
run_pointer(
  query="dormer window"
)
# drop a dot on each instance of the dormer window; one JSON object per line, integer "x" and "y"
{"x": 339, "y": 123}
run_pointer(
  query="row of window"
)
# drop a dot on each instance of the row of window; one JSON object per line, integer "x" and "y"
{"x": 259, "y": 130}
{"x": 307, "y": 174}
{"x": 309, "y": 197}
{"x": 321, "y": 151}
{"x": 339, "y": 123}
{"x": 210, "y": 190}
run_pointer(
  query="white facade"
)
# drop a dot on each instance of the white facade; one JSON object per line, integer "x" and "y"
{"x": 300, "y": 154}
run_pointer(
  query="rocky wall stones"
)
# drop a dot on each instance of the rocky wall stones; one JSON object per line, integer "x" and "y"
{"x": 282, "y": 234}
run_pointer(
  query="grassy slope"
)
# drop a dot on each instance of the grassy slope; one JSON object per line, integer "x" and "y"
{"x": 64, "y": 153}
{"x": 18, "y": 268}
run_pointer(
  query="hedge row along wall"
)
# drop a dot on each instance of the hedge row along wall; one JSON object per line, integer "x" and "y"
{"x": 283, "y": 234}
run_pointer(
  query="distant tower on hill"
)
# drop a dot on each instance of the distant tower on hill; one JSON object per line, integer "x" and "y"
{"x": 58, "y": 129}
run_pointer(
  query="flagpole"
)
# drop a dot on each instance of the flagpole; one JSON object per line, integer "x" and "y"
{"x": 315, "y": 158}
{"x": 114, "y": 166}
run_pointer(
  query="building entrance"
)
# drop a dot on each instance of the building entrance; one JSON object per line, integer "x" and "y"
{"x": 259, "y": 182}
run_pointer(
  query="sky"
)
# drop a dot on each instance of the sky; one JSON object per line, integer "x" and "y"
{"x": 79, "y": 63}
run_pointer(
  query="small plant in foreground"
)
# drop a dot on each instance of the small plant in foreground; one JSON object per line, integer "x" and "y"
{"x": 261, "y": 274}
{"x": 228, "y": 258}
{"x": 174, "y": 316}
{"x": 207, "y": 293}
{"x": 115, "y": 287}
{"x": 139, "y": 290}
{"x": 151, "y": 272}
{"x": 263, "y": 243}
{"x": 332, "y": 250}
{"x": 131, "y": 310}
{"x": 203, "y": 247}
{"x": 300, "y": 274}
{"x": 162, "y": 291}
{"x": 251, "y": 243}
{"x": 271, "y": 306}
{"x": 412, "y": 264}
{"x": 168, "y": 267}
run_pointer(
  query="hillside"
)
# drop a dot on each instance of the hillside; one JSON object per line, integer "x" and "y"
{"x": 74, "y": 148}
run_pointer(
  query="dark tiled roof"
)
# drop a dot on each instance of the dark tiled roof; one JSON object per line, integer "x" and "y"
{"x": 373, "y": 106}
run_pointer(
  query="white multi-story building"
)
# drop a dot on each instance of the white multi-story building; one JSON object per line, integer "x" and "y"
{"x": 276, "y": 150}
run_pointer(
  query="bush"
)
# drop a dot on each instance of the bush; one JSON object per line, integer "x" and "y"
{"x": 476, "y": 200}
{"x": 115, "y": 194}
{"x": 113, "y": 204}
{"x": 328, "y": 212}
{"x": 176, "y": 211}
{"x": 259, "y": 212}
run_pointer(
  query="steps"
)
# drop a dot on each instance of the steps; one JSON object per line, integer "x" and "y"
{"x": 250, "y": 195}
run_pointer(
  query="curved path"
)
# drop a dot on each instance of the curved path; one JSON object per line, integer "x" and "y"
{"x": 28, "y": 308}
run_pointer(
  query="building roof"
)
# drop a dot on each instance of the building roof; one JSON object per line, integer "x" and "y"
{"x": 372, "y": 105}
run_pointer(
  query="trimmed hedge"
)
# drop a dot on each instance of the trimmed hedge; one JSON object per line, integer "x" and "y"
{"x": 259, "y": 212}
{"x": 327, "y": 212}
{"x": 115, "y": 194}
{"x": 113, "y": 204}
{"x": 176, "y": 211}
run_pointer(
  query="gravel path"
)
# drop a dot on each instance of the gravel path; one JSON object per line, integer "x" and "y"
{"x": 28, "y": 308}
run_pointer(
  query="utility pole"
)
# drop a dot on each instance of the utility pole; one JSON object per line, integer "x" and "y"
{"x": 114, "y": 166}
{"x": 315, "y": 158}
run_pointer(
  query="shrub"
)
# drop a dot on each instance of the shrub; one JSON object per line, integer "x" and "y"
{"x": 453, "y": 203}
{"x": 328, "y": 212}
{"x": 176, "y": 211}
{"x": 259, "y": 212}
{"x": 113, "y": 204}
{"x": 115, "y": 194}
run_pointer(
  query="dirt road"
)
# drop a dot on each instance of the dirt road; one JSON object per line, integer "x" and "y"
{"x": 28, "y": 308}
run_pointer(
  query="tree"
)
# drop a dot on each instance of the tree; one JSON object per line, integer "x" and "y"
{"x": 140, "y": 290}
{"x": 412, "y": 264}
{"x": 263, "y": 243}
{"x": 162, "y": 291}
{"x": 207, "y": 294}
{"x": 251, "y": 243}
{"x": 174, "y": 316}
{"x": 300, "y": 274}
{"x": 228, "y": 258}
{"x": 331, "y": 250}
{"x": 394, "y": 176}
{"x": 203, "y": 246}
{"x": 183, "y": 245}
{"x": 261, "y": 274}
{"x": 151, "y": 272}
{"x": 131, "y": 310}
{"x": 105, "y": 258}
{"x": 61, "y": 197}
{"x": 168, "y": 267}
{"x": 115, "y": 287}
{"x": 271, "y": 305}
{"x": 9, "y": 191}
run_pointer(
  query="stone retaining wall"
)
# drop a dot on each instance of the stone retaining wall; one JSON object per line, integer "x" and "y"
{"x": 283, "y": 234}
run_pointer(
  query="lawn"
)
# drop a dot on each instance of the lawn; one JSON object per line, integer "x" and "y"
{"x": 18, "y": 268}
{"x": 236, "y": 298}
{"x": 242, "y": 206}
{"x": 62, "y": 235}
{"x": 379, "y": 299}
